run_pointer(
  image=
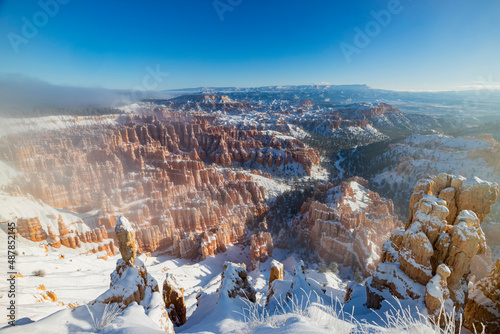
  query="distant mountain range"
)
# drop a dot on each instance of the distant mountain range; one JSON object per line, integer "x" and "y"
{"x": 22, "y": 96}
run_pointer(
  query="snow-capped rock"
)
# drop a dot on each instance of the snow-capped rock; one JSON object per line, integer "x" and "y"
{"x": 440, "y": 240}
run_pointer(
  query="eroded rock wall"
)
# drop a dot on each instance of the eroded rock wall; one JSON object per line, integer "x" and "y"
{"x": 157, "y": 172}
{"x": 349, "y": 226}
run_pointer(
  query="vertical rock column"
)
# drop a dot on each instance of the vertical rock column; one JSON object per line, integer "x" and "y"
{"x": 173, "y": 296}
{"x": 125, "y": 235}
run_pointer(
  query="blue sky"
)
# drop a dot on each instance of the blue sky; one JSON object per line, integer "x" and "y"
{"x": 427, "y": 45}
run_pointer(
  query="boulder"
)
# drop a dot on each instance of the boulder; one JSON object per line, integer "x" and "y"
{"x": 235, "y": 282}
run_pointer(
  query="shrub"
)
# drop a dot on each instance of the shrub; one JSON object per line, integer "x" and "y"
{"x": 357, "y": 277}
{"x": 111, "y": 311}
{"x": 398, "y": 320}
{"x": 331, "y": 316}
{"x": 39, "y": 273}
{"x": 333, "y": 267}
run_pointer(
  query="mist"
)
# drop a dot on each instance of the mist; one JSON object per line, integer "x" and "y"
{"x": 24, "y": 96}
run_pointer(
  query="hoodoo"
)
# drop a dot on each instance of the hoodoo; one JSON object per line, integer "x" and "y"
{"x": 430, "y": 259}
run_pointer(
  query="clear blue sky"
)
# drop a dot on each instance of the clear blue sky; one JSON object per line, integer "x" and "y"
{"x": 429, "y": 45}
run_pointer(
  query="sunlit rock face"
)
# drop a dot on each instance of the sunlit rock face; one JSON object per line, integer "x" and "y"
{"x": 276, "y": 271}
{"x": 66, "y": 234}
{"x": 431, "y": 257}
{"x": 161, "y": 172}
{"x": 349, "y": 226}
{"x": 173, "y": 296}
{"x": 261, "y": 247}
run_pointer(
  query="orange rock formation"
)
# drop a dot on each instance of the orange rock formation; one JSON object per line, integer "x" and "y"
{"x": 431, "y": 257}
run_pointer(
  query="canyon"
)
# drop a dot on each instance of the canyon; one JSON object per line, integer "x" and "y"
{"x": 168, "y": 177}
{"x": 212, "y": 206}
{"x": 348, "y": 226}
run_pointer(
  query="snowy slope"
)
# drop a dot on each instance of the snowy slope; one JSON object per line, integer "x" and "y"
{"x": 77, "y": 280}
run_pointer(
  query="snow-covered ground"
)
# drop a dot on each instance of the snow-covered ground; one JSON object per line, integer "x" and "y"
{"x": 77, "y": 280}
{"x": 7, "y": 173}
{"x": 55, "y": 299}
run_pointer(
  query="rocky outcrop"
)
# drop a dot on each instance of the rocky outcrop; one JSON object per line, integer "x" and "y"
{"x": 173, "y": 296}
{"x": 31, "y": 229}
{"x": 483, "y": 305}
{"x": 261, "y": 248}
{"x": 350, "y": 227}
{"x": 56, "y": 233}
{"x": 431, "y": 257}
{"x": 131, "y": 282}
{"x": 297, "y": 289}
{"x": 235, "y": 282}
{"x": 276, "y": 271}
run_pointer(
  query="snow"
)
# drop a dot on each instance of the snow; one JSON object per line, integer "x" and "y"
{"x": 7, "y": 173}
{"x": 361, "y": 198}
{"x": 337, "y": 165}
{"x": 358, "y": 202}
{"x": 123, "y": 225}
{"x": 77, "y": 279}
{"x": 14, "y": 207}
{"x": 277, "y": 264}
{"x": 434, "y": 288}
